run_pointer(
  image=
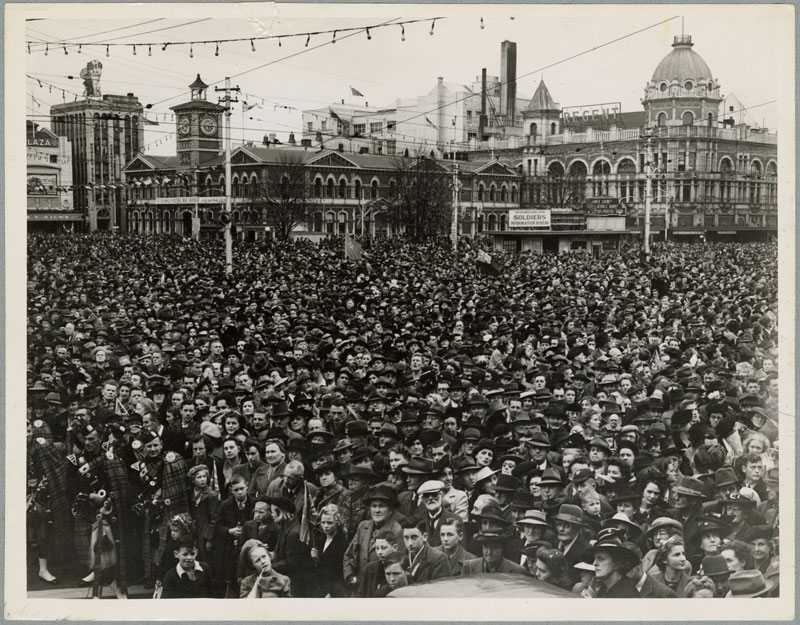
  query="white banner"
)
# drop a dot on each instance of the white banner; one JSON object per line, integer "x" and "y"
{"x": 529, "y": 219}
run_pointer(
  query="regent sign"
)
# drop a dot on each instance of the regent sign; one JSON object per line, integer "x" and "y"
{"x": 591, "y": 112}
{"x": 529, "y": 219}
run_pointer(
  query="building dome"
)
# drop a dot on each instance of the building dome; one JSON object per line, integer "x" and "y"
{"x": 682, "y": 63}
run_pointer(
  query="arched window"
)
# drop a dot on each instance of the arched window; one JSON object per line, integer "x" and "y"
{"x": 317, "y": 222}
{"x": 662, "y": 119}
{"x": 358, "y": 189}
{"x": 553, "y": 128}
{"x": 502, "y": 222}
{"x": 503, "y": 194}
{"x": 331, "y": 219}
{"x": 492, "y": 221}
{"x": 492, "y": 193}
{"x": 601, "y": 168}
{"x": 343, "y": 188}
{"x": 373, "y": 190}
{"x": 725, "y": 166}
{"x": 342, "y": 223}
{"x": 533, "y": 130}
{"x": 392, "y": 187}
{"x": 235, "y": 187}
{"x": 318, "y": 187}
{"x": 688, "y": 118}
{"x": 480, "y": 192}
{"x": 710, "y": 120}
{"x": 329, "y": 188}
{"x": 513, "y": 193}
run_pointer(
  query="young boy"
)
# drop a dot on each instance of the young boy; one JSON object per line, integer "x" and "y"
{"x": 373, "y": 577}
{"x": 190, "y": 579}
{"x": 452, "y": 535}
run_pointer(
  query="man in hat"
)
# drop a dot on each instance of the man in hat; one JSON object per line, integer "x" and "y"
{"x": 750, "y": 583}
{"x": 382, "y": 505}
{"x": 97, "y": 484}
{"x": 492, "y": 559}
{"x": 572, "y": 542}
{"x": 689, "y": 495}
{"x": 716, "y": 568}
{"x": 418, "y": 470}
{"x": 431, "y": 493}
{"x": 159, "y": 481}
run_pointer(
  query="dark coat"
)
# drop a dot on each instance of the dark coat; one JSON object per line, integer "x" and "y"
{"x": 371, "y": 581}
{"x": 328, "y": 577}
{"x": 175, "y": 587}
{"x": 475, "y": 567}
{"x": 203, "y": 513}
{"x": 428, "y": 564}
{"x": 457, "y": 559}
{"x": 293, "y": 558}
{"x": 256, "y": 478}
{"x": 652, "y": 589}
{"x": 434, "y": 539}
{"x": 623, "y": 589}
{"x": 226, "y": 547}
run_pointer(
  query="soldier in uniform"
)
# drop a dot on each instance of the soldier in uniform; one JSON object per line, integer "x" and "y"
{"x": 98, "y": 487}
{"x": 161, "y": 493}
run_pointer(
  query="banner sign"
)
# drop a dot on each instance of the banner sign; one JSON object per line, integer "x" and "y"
{"x": 529, "y": 219}
{"x": 184, "y": 200}
{"x": 591, "y": 112}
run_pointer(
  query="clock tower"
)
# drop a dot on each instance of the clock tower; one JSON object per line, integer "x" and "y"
{"x": 198, "y": 125}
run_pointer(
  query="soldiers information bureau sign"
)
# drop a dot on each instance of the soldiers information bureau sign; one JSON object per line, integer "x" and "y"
{"x": 529, "y": 219}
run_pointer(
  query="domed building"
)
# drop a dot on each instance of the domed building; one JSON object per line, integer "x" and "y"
{"x": 710, "y": 178}
{"x": 682, "y": 91}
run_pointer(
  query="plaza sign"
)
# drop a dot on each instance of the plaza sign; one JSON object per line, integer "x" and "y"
{"x": 529, "y": 219}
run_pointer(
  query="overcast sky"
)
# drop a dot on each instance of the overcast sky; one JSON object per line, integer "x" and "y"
{"x": 742, "y": 45}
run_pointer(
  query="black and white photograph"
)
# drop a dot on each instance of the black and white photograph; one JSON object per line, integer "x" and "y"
{"x": 338, "y": 304}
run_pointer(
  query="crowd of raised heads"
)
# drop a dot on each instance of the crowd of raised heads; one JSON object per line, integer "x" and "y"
{"x": 313, "y": 426}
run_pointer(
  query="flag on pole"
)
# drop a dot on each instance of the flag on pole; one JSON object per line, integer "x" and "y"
{"x": 356, "y": 92}
{"x": 352, "y": 248}
{"x": 487, "y": 265}
{"x": 430, "y": 123}
{"x": 247, "y": 107}
{"x": 305, "y": 518}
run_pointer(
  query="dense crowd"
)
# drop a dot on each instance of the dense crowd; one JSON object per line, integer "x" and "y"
{"x": 313, "y": 426}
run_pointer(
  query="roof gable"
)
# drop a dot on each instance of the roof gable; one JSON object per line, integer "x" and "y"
{"x": 140, "y": 163}
{"x": 495, "y": 168}
{"x": 332, "y": 159}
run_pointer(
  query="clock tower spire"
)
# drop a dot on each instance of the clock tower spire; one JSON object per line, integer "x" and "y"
{"x": 198, "y": 125}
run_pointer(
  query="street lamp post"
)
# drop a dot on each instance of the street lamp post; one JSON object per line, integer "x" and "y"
{"x": 648, "y": 197}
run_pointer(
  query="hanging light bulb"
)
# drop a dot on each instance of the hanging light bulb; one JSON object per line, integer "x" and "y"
{"x": 29, "y": 47}
{"x": 279, "y": 42}
{"x": 80, "y": 48}
{"x": 403, "y": 33}
{"x": 368, "y": 35}
{"x": 107, "y": 53}
{"x": 334, "y": 37}
{"x": 308, "y": 39}
{"x": 191, "y": 51}
{"x": 149, "y": 50}
{"x": 482, "y": 25}
{"x": 134, "y": 49}
{"x": 46, "y": 48}
{"x": 433, "y": 24}
{"x": 164, "y": 47}
{"x": 50, "y": 89}
{"x": 252, "y": 45}
{"x": 216, "y": 52}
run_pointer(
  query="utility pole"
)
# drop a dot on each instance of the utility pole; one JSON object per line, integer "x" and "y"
{"x": 648, "y": 197}
{"x": 227, "y": 130}
{"x": 454, "y": 225}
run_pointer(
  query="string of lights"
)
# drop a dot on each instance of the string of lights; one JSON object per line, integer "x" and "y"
{"x": 36, "y": 46}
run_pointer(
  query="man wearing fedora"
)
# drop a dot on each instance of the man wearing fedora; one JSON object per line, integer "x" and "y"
{"x": 492, "y": 559}
{"x": 748, "y": 583}
{"x": 572, "y": 542}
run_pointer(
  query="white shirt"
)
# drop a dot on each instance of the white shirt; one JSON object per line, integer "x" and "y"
{"x": 181, "y": 572}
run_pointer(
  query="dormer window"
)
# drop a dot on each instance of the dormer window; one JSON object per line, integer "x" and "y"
{"x": 662, "y": 87}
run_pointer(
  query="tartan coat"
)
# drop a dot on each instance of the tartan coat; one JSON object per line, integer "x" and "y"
{"x": 48, "y": 462}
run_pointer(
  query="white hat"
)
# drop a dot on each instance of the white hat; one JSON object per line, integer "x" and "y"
{"x": 431, "y": 486}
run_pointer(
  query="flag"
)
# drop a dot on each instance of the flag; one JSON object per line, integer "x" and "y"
{"x": 148, "y": 182}
{"x": 352, "y": 248}
{"x": 150, "y": 122}
{"x": 430, "y": 122}
{"x": 305, "y": 518}
{"x": 247, "y": 107}
{"x": 487, "y": 265}
{"x": 334, "y": 115}
{"x": 356, "y": 92}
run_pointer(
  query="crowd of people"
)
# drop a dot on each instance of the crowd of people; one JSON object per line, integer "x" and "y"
{"x": 312, "y": 426}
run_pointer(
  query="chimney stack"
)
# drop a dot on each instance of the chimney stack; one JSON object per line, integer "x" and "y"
{"x": 508, "y": 81}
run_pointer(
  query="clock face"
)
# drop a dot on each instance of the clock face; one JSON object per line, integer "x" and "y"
{"x": 208, "y": 125}
{"x": 183, "y": 125}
